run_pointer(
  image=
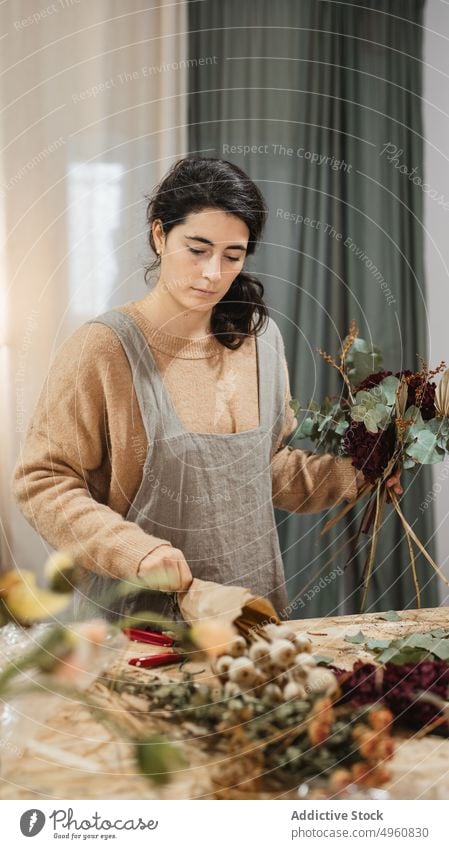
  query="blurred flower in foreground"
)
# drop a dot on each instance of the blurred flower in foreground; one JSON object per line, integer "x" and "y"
{"x": 158, "y": 759}
{"x": 73, "y": 655}
{"x": 22, "y": 601}
{"x": 59, "y": 572}
{"x": 87, "y": 652}
{"x": 213, "y": 637}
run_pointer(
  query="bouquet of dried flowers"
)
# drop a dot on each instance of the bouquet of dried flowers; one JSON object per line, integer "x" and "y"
{"x": 274, "y": 714}
{"x": 385, "y": 422}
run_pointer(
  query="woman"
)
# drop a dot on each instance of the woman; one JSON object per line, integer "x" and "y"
{"x": 157, "y": 446}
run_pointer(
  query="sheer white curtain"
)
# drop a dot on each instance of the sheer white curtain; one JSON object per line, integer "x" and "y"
{"x": 93, "y": 112}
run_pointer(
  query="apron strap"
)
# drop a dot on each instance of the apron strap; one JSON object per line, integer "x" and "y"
{"x": 272, "y": 380}
{"x": 152, "y": 395}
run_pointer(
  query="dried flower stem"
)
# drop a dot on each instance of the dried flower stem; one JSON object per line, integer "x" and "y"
{"x": 380, "y": 503}
{"x": 348, "y": 342}
{"x": 409, "y": 531}
{"x": 425, "y": 374}
{"x": 413, "y": 568}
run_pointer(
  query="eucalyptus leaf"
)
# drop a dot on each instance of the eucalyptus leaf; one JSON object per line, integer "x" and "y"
{"x": 400, "y": 658}
{"x": 295, "y": 405}
{"x": 412, "y": 648}
{"x": 425, "y": 449}
{"x": 441, "y": 649}
{"x": 389, "y": 386}
{"x": 390, "y": 616}
{"x": 355, "y": 638}
{"x": 438, "y": 632}
{"x": 375, "y": 644}
{"x": 324, "y": 422}
{"x": 419, "y": 641}
{"x": 362, "y": 360}
{"x": 418, "y": 423}
{"x": 305, "y": 429}
{"x": 341, "y": 427}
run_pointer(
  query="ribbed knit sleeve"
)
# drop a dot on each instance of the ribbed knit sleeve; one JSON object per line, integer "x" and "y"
{"x": 304, "y": 482}
{"x": 60, "y": 481}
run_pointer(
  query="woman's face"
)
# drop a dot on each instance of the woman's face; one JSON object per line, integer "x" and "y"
{"x": 201, "y": 257}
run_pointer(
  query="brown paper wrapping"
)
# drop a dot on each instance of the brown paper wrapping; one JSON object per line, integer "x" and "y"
{"x": 229, "y": 605}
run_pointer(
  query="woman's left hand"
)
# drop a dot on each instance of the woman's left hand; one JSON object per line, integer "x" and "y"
{"x": 394, "y": 482}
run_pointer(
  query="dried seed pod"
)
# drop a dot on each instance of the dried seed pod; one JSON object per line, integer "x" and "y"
{"x": 223, "y": 664}
{"x": 282, "y": 653}
{"x": 321, "y": 680}
{"x": 242, "y": 671}
{"x": 274, "y": 693}
{"x": 272, "y": 672}
{"x": 231, "y": 689}
{"x": 294, "y": 690}
{"x": 282, "y": 632}
{"x": 259, "y": 677}
{"x": 259, "y": 651}
{"x": 304, "y": 662}
{"x": 238, "y": 647}
{"x": 303, "y": 643}
{"x": 265, "y": 664}
{"x": 304, "y": 658}
{"x": 272, "y": 631}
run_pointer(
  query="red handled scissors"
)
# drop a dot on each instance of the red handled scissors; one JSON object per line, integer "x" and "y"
{"x": 152, "y": 637}
{"x": 150, "y": 661}
{"x": 155, "y": 639}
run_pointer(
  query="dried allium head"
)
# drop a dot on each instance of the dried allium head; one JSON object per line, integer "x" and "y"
{"x": 259, "y": 651}
{"x": 321, "y": 680}
{"x": 238, "y": 647}
{"x": 294, "y": 690}
{"x": 273, "y": 693}
{"x": 303, "y": 643}
{"x": 283, "y": 653}
{"x": 242, "y": 671}
{"x": 231, "y": 689}
{"x": 223, "y": 664}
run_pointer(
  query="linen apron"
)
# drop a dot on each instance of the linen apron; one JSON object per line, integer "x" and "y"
{"x": 209, "y": 494}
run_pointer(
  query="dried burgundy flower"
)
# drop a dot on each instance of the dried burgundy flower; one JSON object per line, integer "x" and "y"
{"x": 396, "y": 686}
{"x": 426, "y": 403}
{"x": 370, "y": 452}
{"x": 372, "y": 380}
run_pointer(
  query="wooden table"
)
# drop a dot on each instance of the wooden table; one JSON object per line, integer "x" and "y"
{"x": 73, "y": 756}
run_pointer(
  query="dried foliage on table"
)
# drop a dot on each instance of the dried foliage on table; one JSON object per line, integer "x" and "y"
{"x": 385, "y": 422}
{"x": 415, "y": 693}
{"x": 271, "y": 720}
{"x": 50, "y": 662}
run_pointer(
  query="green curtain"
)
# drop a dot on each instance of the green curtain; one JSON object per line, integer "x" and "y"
{"x": 320, "y": 103}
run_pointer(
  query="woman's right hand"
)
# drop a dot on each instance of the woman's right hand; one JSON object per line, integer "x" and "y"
{"x": 166, "y": 570}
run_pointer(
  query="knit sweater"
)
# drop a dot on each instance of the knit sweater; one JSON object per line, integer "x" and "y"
{"x": 82, "y": 460}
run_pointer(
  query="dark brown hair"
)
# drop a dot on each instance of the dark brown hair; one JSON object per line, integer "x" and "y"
{"x": 191, "y": 185}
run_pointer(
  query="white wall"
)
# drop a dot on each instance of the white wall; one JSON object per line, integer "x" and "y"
{"x": 436, "y": 221}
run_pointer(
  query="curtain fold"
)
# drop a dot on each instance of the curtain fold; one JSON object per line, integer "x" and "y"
{"x": 94, "y": 112}
{"x": 320, "y": 103}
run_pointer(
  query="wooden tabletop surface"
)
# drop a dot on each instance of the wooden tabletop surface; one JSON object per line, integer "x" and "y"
{"x": 71, "y": 755}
